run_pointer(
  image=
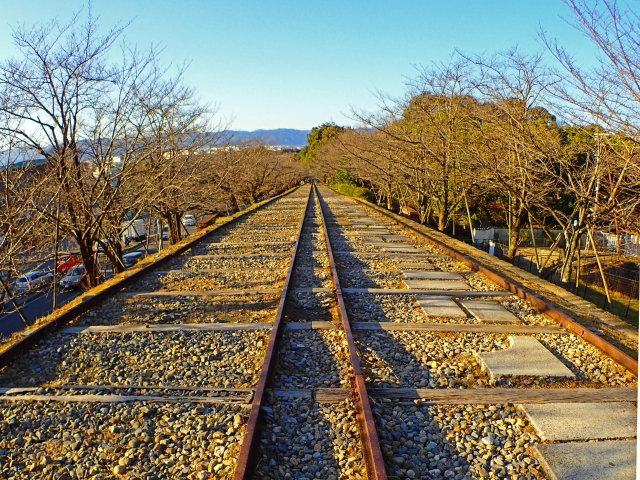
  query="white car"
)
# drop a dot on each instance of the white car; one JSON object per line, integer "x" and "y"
{"x": 188, "y": 220}
{"x": 33, "y": 280}
{"x": 165, "y": 232}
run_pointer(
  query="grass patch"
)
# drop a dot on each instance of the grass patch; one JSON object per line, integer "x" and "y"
{"x": 353, "y": 191}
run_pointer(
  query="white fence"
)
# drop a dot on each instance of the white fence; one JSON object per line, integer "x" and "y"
{"x": 629, "y": 244}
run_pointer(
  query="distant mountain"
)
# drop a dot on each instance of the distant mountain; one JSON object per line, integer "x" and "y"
{"x": 279, "y": 136}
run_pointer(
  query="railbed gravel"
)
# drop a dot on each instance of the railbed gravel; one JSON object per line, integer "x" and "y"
{"x": 444, "y": 265}
{"x": 312, "y": 359}
{"x": 316, "y": 259}
{"x": 261, "y": 235}
{"x": 352, "y": 260}
{"x": 311, "y": 278}
{"x": 212, "y": 359}
{"x": 204, "y": 281}
{"x": 396, "y": 359}
{"x": 342, "y": 244}
{"x": 120, "y": 310}
{"x": 362, "y": 307}
{"x": 587, "y": 362}
{"x": 207, "y": 394}
{"x": 143, "y": 440}
{"x": 424, "y": 441}
{"x": 250, "y": 247}
{"x": 242, "y": 263}
{"x": 312, "y": 240}
{"x": 370, "y": 279}
{"x": 311, "y": 302}
{"x": 479, "y": 282}
{"x": 305, "y": 440}
{"x": 525, "y": 312}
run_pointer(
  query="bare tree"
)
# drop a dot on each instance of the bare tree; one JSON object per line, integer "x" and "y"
{"x": 515, "y": 132}
{"x": 604, "y": 102}
{"x": 178, "y": 134}
{"x": 74, "y": 108}
{"x": 22, "y": 229}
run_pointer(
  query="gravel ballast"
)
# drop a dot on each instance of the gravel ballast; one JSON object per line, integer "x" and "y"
{"x": 43, "y": 440}
{"x": 120, "y": 310}
{"x": 215, "y": 359}
{"x": 303, "y": 439}
{"x": 455, "y": 441}
{"x": 312, "y": 359}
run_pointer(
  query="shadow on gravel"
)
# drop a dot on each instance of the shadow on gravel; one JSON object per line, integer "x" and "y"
{"x": 414, "y": 445}
{"x": 303, "y": 439}
{"x": 424, "y": 359}
{"x": 311, "y": 307}
{"x": 307, "y": 361}
{"x": 184, "y": 309}
{"x": 426, "y": 441}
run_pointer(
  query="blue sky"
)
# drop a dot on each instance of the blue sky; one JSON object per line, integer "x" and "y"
{"x": 297, "y": 64}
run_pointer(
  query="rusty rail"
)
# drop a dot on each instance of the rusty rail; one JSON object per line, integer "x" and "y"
{"x": 371, "y": 450}
{"x": 89, "y": 301}
{"x": 251, "y": 439}
{"x": 537, "y": 300}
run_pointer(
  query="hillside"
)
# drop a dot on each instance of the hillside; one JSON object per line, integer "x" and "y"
{"x": 278, "y": 136}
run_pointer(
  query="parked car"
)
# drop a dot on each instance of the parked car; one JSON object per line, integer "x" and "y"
{"x": 65, "y": 262}
{"x": 33, "y": 281}
{"x": 75, "y": 278}
{"x": 130, "y": 259}
{"x": 188, "y": 220}
{"x": 165, "y": 232}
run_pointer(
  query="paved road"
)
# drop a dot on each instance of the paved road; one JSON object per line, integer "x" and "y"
{"x": 37, "y": 307}
{"x": 37, "y": 304}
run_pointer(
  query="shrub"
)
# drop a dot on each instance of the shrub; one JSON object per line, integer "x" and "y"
{"x": 353, "y": 191}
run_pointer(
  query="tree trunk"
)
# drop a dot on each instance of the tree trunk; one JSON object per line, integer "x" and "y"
{"x": 175, "y": 228}
{"x": 90, "y": 261}
{"x": 444, "y": 202}
{"x": 234, "y": 202}
{"x": 517, "y": 220}
{"x": 389, "y": 199}
{"x": 442, "y": 214}
{"x": 569, "y": 253}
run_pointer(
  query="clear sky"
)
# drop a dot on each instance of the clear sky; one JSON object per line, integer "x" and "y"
{"x": 297, "y": 64}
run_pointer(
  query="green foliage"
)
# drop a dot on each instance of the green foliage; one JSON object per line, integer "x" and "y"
{"x": 318, "y": 137}
{"x": 353, "y": 191}
{"x": 342, "y": 176}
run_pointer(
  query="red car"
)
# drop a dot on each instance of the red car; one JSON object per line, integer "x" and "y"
{"x": 66, "y": 262}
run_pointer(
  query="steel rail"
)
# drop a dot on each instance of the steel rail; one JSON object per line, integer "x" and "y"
{"x": 372, "y": 453}
{"x": 543, "y": 304}
{"x": 90, "y": 300}
{"x": 251, "y": 440}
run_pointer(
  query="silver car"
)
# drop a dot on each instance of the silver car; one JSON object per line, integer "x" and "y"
{"x": 33, "y": 280}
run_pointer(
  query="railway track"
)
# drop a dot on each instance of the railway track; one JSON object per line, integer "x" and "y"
{"x": 466, "y": 380}
{"x": 314, "y": 338}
